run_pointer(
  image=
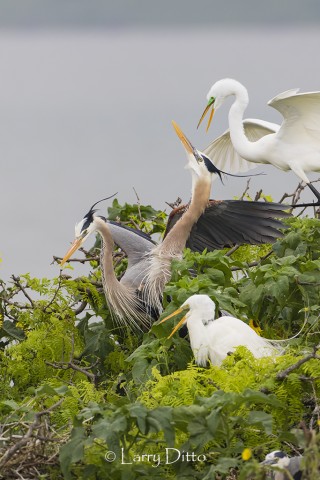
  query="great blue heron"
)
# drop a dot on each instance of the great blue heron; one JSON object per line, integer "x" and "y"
{"x": 200, "y": 224}
{"x": 295, "y": 145}
{"x": 288, "y": 468}
{"x": 212, "y": 339}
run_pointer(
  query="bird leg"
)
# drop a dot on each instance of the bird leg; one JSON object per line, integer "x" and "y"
{"x": 313, "y": 204}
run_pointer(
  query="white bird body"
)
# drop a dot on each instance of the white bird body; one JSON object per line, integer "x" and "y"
{"x": 222, "y": 336}
{"x": 295, "y": 145}
{"x": 212, "y": 339}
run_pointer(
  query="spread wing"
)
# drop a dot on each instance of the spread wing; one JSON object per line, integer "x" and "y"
{"x": 301, "y": 112}
{"x": 222, "y": 153}
{"x": 229, "y": 222}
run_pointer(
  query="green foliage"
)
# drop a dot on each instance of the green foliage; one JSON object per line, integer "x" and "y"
{"x": 139, "y": 216}
{"x": 75, "y": 387}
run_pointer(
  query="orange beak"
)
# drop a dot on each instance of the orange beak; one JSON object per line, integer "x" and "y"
{"x": 75, "y": 245}
{"x": 180, "y": 323}
{"x": 210, "y": 104}
{"x": 185, "y": 142}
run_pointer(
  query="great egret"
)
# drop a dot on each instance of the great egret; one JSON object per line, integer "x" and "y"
{"x": 295, "y": 145}
{"x": 287, "y": 467}
{"x": 137, "y": 297}
{"x": 212, "y": 339}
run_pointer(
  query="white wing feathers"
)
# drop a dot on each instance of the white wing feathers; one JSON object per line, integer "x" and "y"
{"x": 224, "y": 156}
{"x": 301, "y": 112}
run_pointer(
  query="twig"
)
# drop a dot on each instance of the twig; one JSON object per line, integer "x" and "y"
{"x": 19, "y": 285}
{"x": 175, "y": 204}
{"x": 258, "y": 195}
{"x": 138, "y": 203}
{"x": 80, "y": 308}
{"x": 246, "y": 189}
{"x": 75, "y": 260}
{"x": 55, "y": 293}
{"x": 285, "y": 373}
{"x": 25, "y": 439}
{"x": 232, "y": 250}
{"x": 66, "y": 365}
{"x": 252, "y": 264}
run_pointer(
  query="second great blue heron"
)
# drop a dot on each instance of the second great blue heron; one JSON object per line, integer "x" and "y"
{"x": 136, "y": 298}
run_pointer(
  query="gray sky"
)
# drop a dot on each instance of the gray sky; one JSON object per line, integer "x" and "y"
{"x": 42, "y": 14}
{"x": 87, "y": 112}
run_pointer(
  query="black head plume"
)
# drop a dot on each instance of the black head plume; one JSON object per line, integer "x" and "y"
{"x": 213, "y": 169}
{"x": 88, "y": 218}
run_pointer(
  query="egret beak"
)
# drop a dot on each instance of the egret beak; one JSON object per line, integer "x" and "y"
{"x": 210, "y": 103}
{"x": 75, "y": 246}
{"x": 180, "y": 323}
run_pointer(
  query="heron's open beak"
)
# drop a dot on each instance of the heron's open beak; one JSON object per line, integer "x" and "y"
{"x": 180, "y": 323}
{"x": 75, "y": 246}
{"x": 185, "y": 142}
{"x": 210, "y": 103}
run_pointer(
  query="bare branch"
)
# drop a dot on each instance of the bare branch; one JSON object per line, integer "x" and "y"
{"x": 253, "y": 264}
{"x": 232, "y": 250}
{"x": 246, "y": 189}
{"x": 71, "y": 365}
{"x": 17, "y": 282}
{"x": 138, "y": 203}
{"x": 25, "y": 439}
{"x": 285, "y": 373}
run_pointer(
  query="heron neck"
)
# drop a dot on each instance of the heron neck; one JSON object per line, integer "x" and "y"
{"x": 107, "y": 246}
{"x": 176, "y": 239}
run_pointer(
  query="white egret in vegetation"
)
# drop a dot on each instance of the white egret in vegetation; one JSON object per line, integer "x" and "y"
{"x": 295, "y": 145}
{"x": 214, "y": 338}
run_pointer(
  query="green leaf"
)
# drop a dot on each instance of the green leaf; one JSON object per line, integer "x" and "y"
{"x": 72, "y": 451}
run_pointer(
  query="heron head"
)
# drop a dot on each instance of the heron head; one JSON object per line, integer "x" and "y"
{"x": 83, "y": 229}
{"x": 275, "y": 458}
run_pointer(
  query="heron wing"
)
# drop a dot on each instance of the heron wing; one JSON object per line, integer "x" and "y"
{"x": 230, "y": 222}
{"x": 301, "y": 112}
{"x": 133, "y": 242}
{"x": 222, "y": 153}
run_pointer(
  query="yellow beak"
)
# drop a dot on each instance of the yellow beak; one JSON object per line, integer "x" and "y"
{"x": 210, "y": 103}
{"x": 180, "y": 323}
{"x": 185, "y": 142}
{"x": 75, "y": 245}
